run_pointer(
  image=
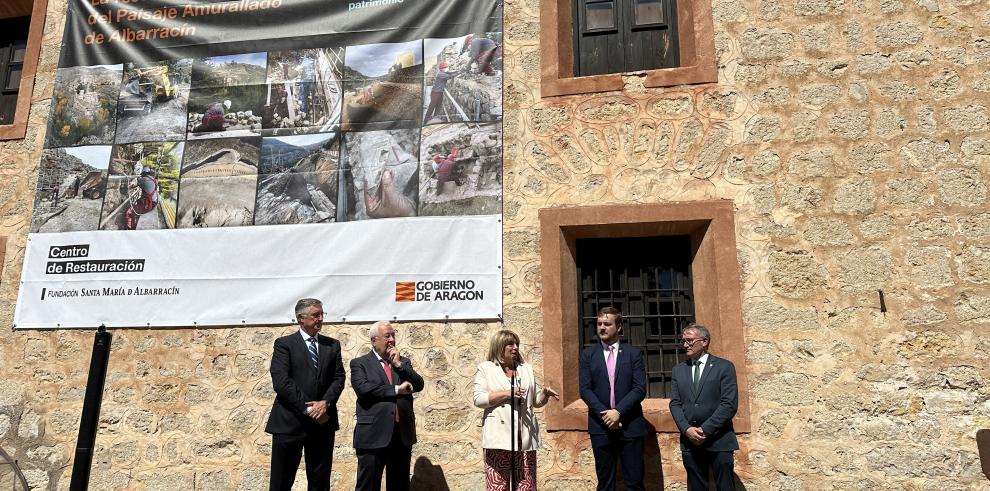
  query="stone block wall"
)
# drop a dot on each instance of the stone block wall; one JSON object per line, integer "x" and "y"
{"x": 854, "y": 140}
{"x": 853, "y": 137}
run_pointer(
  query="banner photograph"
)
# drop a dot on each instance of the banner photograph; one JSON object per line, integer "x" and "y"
{"x": 361, "y": 152}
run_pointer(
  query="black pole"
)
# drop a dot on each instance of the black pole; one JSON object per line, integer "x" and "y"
{"x": 512, "y": 429}
{"x": 90, "y": 419}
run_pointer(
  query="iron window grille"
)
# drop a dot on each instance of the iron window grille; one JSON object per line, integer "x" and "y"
{"x": 649, "y": 280}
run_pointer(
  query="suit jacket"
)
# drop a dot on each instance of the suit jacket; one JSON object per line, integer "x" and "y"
{"x": 495, "y": 422}
{"x": 296, "y": 382}
{"x": 377, "y": 401}
{"x": 630, "y": 389}
{"x": 711, "y": 408}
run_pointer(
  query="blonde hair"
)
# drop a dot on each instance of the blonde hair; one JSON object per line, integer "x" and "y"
{"x": 498, "y": 343}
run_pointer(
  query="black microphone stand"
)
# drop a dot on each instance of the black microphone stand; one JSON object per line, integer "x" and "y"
{"x": 89, "y": 421}
{"x": 512, "y": 431}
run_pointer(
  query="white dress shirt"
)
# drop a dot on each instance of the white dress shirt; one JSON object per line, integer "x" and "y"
{"x": 306, "y": 338}
{"x": 383, "y": 360}
{"x": 605, "y": 348}
{"x": 701, "y": 366}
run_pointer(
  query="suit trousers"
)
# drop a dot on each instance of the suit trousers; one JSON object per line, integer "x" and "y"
{"x": 611, "y": 449}
{"x": 698, "y": 462}
{"x": 287, "y": 451}
{"x": 393, "y": 460}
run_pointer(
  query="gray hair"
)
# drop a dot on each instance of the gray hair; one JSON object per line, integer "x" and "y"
{"x": 305, "y": 303}
{"x": 373, "y": 329}
{"x": 700, "y": 329}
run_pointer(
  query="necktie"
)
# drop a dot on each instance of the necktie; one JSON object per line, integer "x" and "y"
{"x": 610, "y": 365}
{"x": 697, "y": 374}
{"x": 388, "y": 375}
{"x": 313, "y": 356}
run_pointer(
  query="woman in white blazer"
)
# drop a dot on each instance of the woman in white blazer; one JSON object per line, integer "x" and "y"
{"x": 492, "y": 384}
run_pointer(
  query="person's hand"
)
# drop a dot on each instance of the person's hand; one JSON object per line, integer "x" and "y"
{"x": 317, "y": 409}
{"x": 393, "y": 357}
{"x": 695, "y": 435}
{"x": 611, "y": 418}
{"x": 323, "y": 419}
{"x": 548, "y": 392}
{"x": 520, "y": 392}
{"x": 405, "y": 388}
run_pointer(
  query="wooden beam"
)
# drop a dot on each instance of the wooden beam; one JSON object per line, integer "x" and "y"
{"x": 38, "y": 11}
{"x": 15, "y": 8}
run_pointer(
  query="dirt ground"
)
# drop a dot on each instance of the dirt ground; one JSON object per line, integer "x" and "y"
{"x": 391, "y": 103}
{"x": 167, "y": 122}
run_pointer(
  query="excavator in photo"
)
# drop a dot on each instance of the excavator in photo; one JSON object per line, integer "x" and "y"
{"x": 146, "y": 87}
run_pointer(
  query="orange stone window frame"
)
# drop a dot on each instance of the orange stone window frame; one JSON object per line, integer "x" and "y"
{"x": 3, "y": 256}
{"x": 18, "y": 129}
{"x": 696, "y": 38}
{"x": 716, "y": 283}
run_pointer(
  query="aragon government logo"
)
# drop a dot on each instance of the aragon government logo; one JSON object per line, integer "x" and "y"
{"x": 437, "y": 291}
{"x": 405, "y": 291}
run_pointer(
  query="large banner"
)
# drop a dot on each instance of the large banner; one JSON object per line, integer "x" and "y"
{"x": 208, "y": 163}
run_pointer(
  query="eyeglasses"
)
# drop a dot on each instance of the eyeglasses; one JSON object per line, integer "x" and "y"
{"x": 690, "y": 342}
{"x": 318, "y": 315}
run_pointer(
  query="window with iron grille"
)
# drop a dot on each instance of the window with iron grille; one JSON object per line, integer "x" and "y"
{"x": 617, "y": 36}
{"x": 13, "y": 45}
{"x": 649, "y": 280}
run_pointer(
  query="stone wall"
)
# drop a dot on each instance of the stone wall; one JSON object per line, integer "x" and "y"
{"x": 853, "y": 138}
{"x": 851, "y": 135}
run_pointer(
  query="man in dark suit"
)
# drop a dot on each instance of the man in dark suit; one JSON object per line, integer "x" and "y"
{"x": 386, "y": 426}
{"x": 308, "y": 377}
{"x": 704, "y": 400}
{"x": 613, "y": 385}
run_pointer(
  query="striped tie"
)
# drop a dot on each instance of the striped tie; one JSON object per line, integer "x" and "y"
{"x": 312, "y": 353}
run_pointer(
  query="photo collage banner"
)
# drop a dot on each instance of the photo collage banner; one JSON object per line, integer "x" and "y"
{"x": 344, "y": 148}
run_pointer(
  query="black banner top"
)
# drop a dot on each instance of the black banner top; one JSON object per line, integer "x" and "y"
{"x": 108, "y": 32}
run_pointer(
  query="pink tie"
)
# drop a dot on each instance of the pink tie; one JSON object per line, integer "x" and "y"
{"x": 610, "y": 365}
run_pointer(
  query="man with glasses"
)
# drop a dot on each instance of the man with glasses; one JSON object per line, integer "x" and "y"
{"x": 308, "y": 377}
{"x": 704, "y": 400}
{"x": 385, "y": 431}
{"x": 612, "y": 379}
